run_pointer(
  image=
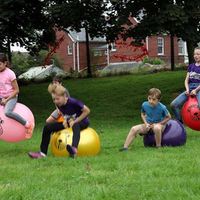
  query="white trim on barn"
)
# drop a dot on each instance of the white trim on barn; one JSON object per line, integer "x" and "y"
{"x": 74, "y": 54}
{"x": 108, "y": 54}
{"x": 147, "y": 43}
{"x": 186, "y": 53}
{"x": 71, "y": 37}
{"x": 78, "y": 55}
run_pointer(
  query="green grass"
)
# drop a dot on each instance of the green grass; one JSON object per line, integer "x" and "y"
{"x": 139, "y": 174}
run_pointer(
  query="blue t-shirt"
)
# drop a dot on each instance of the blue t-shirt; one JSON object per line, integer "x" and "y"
{"x": 154, "y": 114}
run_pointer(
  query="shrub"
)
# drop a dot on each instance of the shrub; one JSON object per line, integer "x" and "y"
{"x": 21, "y": 62}
{"x": 153, "y": 61}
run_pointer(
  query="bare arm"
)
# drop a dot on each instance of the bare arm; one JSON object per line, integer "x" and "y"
{"x": 84, "y": 114}
{"x": 166, "y": 119}
{"x": 50, "y": 119}
{"x": 53, "y": 118}
{"x": 186, "y": 83}
{"x": 15, "y": 90}
{"x": 143, "y": 116}
{"x": 13, "y": 94}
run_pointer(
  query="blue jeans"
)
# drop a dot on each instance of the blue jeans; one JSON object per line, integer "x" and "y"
{"x": 8, "y": 110}
{"x": 178, "y": 102}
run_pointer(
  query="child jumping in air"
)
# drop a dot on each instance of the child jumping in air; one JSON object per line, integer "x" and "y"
{"x": 154, "y": 116}
{"x": 76, "y": 117}
{"x": 192, "y": 86}
{"x": 9, "y": 91}
{"x": 56, "y": 113}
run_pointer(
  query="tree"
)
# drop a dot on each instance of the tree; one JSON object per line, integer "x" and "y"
{"x": 178, "y": 18}
{"x": 23, "y": 22}
{"x": 77, "y": 14}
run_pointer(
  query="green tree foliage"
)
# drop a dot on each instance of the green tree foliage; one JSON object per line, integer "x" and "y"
{"x": 179, "y": 18}
{"x": 23, "y": 22}
{"x": 21, "y": 62}
{"x": 77, "y": 14}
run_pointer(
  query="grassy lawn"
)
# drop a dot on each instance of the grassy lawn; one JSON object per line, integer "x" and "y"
{"x": 139, "y": 174}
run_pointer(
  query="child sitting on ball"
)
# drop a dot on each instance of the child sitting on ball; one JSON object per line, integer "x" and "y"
{"x": 76, "y": 117}
{"x": 192, "y": 86}
{"x": 154, "y": 116}
{"x": 9, "y": 91}
{"x": 56, "y": 113}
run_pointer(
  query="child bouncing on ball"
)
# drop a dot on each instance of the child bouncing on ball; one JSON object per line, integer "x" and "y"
{"x": 192, "y": 86}
{"x": 154, "y": 116}
{"x": 56, "y": 113}
{"x": 76, "y": 117}
{"x": 9, "y": 91}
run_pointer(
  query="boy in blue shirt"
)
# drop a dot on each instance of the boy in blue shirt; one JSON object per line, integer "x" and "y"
{"x": 154, "y": 116}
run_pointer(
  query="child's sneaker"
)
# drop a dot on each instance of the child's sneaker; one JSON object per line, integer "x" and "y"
{"x": 71, "y": 150}
{"x": 36, "y": 155}
{"x": 29, "y": 130}
{"x": 123, "y": 149}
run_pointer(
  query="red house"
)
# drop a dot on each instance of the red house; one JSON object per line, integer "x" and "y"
{"x": 154, "y": 47}
{"x": 72, "y": 50}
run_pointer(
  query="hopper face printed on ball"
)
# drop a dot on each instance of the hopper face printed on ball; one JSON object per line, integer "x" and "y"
{"x": 194, "y": 112}
{"x": 62, "y": 140}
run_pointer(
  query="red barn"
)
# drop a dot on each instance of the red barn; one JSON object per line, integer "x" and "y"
{"x": 72, "y": 50}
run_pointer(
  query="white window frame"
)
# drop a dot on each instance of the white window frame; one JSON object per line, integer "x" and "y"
{"x": 113, "y": 46}
{"x": 70, "y": 49}
{"x": 161, "y": 45}
{"x": 181, "y": 44}
{"x": 97, "y": 53}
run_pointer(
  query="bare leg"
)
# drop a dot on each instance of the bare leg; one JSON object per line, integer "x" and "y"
{"x": 158, "y": 129}
{"x": 133, "y": 133}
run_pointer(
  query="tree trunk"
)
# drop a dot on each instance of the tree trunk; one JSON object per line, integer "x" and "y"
{"x": 190, "y": 49}
{"x": 89, "y": 71}
{"x": 172, "y": 52}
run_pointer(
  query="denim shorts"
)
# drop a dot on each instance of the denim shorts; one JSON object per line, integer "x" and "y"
{"x": 193, "y": 86}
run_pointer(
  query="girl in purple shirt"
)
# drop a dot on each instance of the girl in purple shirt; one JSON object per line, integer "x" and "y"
{"x": 192, "y": 86}
{"x": 75, "y": 114}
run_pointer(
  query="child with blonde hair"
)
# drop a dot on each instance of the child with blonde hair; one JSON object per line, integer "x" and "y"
{"x": 56, "y": 114}
{"x": 75, "y": 114}
{"x": 192, "y": 86}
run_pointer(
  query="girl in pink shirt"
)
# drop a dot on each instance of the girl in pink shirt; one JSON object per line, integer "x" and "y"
{"x": 9, "y": 91}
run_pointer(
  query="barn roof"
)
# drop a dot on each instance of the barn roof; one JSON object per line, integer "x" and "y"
{"x": 80, "y": 36}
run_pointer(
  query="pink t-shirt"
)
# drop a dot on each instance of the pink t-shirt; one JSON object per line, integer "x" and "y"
{"x": 6, "y": 78}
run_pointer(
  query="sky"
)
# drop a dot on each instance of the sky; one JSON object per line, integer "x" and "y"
{"x": 17, "y": 48}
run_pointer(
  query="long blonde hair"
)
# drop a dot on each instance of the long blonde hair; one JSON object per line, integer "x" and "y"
{"x": 57, "y": 90}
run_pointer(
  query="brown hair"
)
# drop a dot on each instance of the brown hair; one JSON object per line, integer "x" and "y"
{"x": 57, "y": 89}
{"x": 58, "y": 79}
{"x": 155, "y": 92}
{"x": 197, "y": 48}
{"x": 4, "y": 59}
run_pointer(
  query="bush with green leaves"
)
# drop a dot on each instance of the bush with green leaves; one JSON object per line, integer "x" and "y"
{"x": 153, "y": 61}
{"x": 21, "y": 62}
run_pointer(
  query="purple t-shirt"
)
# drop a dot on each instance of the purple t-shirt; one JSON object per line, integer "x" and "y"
{"x": 73, "y": 109}
{"x": 194, "y": 73}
